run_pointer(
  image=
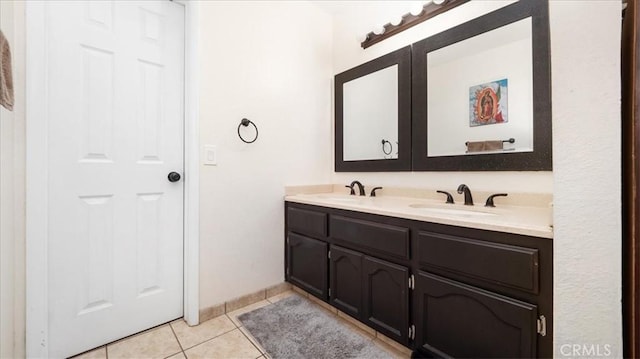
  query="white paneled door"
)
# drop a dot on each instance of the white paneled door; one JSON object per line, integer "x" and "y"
{"x": 115, "y": 74}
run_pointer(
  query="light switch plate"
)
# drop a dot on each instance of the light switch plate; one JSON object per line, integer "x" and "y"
{"x": 210, "y": 155}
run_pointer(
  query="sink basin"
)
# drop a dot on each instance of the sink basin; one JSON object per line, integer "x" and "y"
{"x": 451, "y": 211}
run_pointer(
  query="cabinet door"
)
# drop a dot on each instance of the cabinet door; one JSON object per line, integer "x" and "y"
{"x": 457, "y": 320}
{"x": 307, "y": 264}
{"x": 346, "y": 280}
{"x": 386, "y": 298}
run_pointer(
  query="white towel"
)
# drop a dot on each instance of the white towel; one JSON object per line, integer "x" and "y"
{"x": 6, "y": 79}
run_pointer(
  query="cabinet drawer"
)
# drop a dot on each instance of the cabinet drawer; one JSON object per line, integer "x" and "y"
{"x": 382, "y": 238}
{"x": 507, "y": 265}
{"x": 307, "y": 222}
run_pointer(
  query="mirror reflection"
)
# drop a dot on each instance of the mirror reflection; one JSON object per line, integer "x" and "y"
{"x": 480, "y": 94}
{"x": 370, "y": 115}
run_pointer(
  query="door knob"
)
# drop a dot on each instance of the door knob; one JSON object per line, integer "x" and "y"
{"x": 173, "y": 177}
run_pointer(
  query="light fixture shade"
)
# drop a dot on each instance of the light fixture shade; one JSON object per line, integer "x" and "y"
{"x": 416, "y": 9}
{"x": 396, "y": 21}
{"x": 378, "y": 30}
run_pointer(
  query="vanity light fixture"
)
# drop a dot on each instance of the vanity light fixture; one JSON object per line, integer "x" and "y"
{"x": 429, "y": 10}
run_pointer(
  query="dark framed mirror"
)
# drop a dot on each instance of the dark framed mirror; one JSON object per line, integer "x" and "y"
{"x": 373, "y": 115}
{"x": 482, "y": 94}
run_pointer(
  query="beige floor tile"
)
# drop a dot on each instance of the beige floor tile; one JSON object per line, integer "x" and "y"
{"x": 100, "y": 353}
{"x": 234, "y": 315}
{"x": 192, "y": 336}
{"x": 156, "y": 343}
{"x": 230, "y": 345}
{"x": 178, "y": 356}
{"x": 326, "y": 306}
{"x": 281, "y": 296}
{"x": 252, "y": 340}
{"x": 390, "y": 342}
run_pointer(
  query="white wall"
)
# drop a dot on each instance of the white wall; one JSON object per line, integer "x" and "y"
{"x": 585, "y": 51}
{"x": 585, "y": 48}
{"x": 12, "y": 161}
{"x": 271, "y": 63}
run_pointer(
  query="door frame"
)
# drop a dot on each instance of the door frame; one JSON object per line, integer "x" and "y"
{"x": 37, "y": 319}
{"x": 631, "y": 179}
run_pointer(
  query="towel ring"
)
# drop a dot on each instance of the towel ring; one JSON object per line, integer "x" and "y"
{"x": 384, "y": 142}
{"x": 245, "y": 122}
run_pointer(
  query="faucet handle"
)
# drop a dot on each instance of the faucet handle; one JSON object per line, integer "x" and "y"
{"x": 490, "y": 199}
{"x": 353, "y": 193}
{"x": 373, "y": 191}
{"x": 449, "y": 196}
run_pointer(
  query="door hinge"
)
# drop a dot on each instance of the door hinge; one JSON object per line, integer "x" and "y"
{"x": 412, "y": 332}
{"x": 287, "y": 239}
{"x": 542, "y": 326}
{"x": 288, "y": 271}
{"x": 412, "y": 282}
{"x": 329, "y": 254}
{"x": 329, "y": 292}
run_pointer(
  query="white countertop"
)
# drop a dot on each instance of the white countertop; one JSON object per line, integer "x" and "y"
{"x": 526, "y": 220}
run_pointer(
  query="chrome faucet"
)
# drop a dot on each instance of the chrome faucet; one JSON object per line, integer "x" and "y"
{"x": 360, "y": 188}
{"x": 468, "y": 200}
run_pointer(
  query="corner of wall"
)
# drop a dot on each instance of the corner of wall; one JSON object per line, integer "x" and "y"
{"x": 585, "y": 60}
{"x": 12, "y": 191}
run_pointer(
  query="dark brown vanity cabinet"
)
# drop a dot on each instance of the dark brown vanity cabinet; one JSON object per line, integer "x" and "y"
{"x": 306, "y": 257}
{"x": 443, "y": 290}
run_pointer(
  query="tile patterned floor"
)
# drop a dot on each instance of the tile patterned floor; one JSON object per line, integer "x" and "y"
{"x": 221, "y": 337}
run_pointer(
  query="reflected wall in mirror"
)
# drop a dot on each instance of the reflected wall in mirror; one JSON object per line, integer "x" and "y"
{"x": 370, "y": 116}
{"x": 373, "y": 115}
{"x": 482, "y": 93}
